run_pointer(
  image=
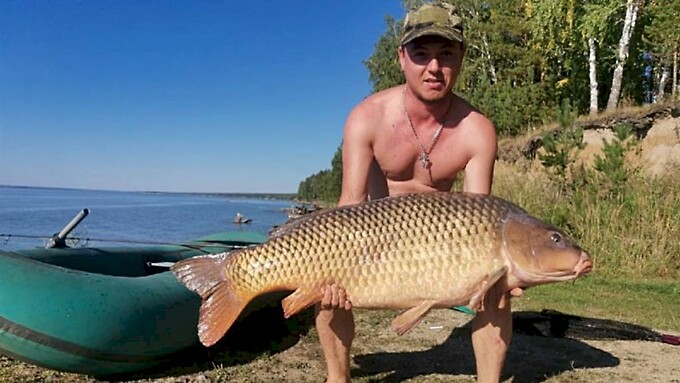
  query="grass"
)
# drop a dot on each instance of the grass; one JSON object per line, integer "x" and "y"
{"x": 633, "y": 234}
{"x": 649, "y": 303}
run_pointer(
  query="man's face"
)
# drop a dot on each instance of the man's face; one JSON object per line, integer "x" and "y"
{"x": 431, "y": 65}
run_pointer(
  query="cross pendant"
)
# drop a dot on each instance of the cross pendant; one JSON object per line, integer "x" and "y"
{"x": 425, "y": 160}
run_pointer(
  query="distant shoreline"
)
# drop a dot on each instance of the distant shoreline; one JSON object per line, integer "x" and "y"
{"x": 280, "y": 196}
{"x": 283, "y": 196}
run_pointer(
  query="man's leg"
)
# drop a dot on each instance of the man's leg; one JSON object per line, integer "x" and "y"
{"x": 335, "y": 326}
{"x": 336, "y": 332}
{"x": 491, "y": 333}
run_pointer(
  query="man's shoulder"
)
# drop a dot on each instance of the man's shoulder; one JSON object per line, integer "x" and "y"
{"x": 381, "y": 99}
{"x": 377, "y": 105}
{"x": 470, "y": 117}
{"x": 477, "y": 132}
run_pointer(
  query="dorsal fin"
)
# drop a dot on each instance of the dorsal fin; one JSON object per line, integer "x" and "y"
{"x": 294, "y": 223}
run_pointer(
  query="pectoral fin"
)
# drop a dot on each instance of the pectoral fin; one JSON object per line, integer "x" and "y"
{"x": 477, "y": 300}
{"x": 300, "y": 299}
{"x": 411, "y": 317}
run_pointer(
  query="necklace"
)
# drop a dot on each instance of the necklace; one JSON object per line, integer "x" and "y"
{"x": 425, "y": 153}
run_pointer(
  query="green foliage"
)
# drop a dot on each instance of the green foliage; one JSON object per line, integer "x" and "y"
{"x": 603, "y": 206}
{"x": 325, "y": 185}
{"x": 513, "y": 109}
{"x": 662, "y": 34}
{"x": 663, "y": 30}
{"x": 611, "y": 174}
{"x": 383, "y": 67}
{"x": 336, "y": 176}
{"x": 558, "y": 44}
{"x": 601, "y": 190}
{"x": 499, "y": 74}
{"x": 560, "y": 146}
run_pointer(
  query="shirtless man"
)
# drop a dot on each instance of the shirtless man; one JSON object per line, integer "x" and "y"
{"x": 417, "y": 137}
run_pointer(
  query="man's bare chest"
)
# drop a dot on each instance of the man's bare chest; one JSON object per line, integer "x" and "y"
{"x": 400, "y": 157}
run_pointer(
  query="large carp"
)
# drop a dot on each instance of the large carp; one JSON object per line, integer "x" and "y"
{"x": 414, "y": 251}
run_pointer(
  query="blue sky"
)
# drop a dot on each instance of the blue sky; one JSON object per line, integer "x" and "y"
{"x": 186, "y": 96}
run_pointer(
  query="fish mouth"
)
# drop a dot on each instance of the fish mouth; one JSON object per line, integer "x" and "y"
{"x": 584, "y": 265}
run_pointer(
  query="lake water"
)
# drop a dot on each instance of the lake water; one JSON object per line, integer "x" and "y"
{"x": 131, "y": 216}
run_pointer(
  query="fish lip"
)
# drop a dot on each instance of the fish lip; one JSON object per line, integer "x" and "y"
{"x": 584, "y": 265}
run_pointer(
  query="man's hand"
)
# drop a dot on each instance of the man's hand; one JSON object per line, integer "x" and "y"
{"x": 335, "y": 298}
{"x": 516, "y": 292}
{"x": 504, "y": 299}
{"x": 498, "y": 298}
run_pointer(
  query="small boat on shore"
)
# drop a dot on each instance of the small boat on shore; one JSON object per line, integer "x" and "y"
{"x": 240, "y": 219}
{"x": 297, "y": 211}
{"x": 105, "y": 310}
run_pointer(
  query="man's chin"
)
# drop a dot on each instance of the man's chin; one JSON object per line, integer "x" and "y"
{"x": 432, "y": 98}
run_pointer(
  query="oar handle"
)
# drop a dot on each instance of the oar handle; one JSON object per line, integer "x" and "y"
{"x": 59, "y": 239}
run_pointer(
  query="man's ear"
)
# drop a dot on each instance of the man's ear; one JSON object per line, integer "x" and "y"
{"x": 463, "y": 49}
{"x": 401, "y": 52}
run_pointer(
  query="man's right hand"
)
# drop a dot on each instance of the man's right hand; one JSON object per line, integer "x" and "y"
{"x": 335, "y": 298}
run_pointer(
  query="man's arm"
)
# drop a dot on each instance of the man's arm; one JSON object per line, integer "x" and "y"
{"x": 334, "y": 320}
{"x": 483, "y": 145}
{"x": 357, "y": 156}
{"x": 492, "y": 326}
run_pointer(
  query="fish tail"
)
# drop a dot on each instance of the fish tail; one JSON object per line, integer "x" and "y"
{"x": 222, "y": 304}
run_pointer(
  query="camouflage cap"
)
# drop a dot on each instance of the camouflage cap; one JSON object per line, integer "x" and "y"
{"x": 439, "y": 19}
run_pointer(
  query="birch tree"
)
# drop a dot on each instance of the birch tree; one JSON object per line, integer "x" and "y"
{"x": 592, "y": 75}
{"x": 675, "y": 75}
{"x": 593, "y": 28}
{"x": 477, "y": 19}
{"x": 663, "y": 35}
{"x": 632, "y": 8}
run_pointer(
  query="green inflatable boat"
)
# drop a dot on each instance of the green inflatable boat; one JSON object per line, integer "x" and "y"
{"x": 101, "y": 311}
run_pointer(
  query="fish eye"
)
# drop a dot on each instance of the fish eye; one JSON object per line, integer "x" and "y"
{"x": 556, "y": 237}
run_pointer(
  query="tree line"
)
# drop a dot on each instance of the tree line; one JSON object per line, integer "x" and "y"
{"x": 525, "y": 58}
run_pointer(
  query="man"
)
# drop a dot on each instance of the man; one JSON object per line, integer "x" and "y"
{"x": 417, "y": 137}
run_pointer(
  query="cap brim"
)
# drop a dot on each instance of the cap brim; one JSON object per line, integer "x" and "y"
{"x": 433, "y": 31}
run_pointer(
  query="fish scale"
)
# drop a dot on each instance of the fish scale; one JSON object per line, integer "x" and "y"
{"x": 411, "y": 244}
{"x": 414, "y": 251}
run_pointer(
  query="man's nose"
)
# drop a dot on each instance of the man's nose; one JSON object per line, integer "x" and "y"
{"x": 433, "y": 65}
